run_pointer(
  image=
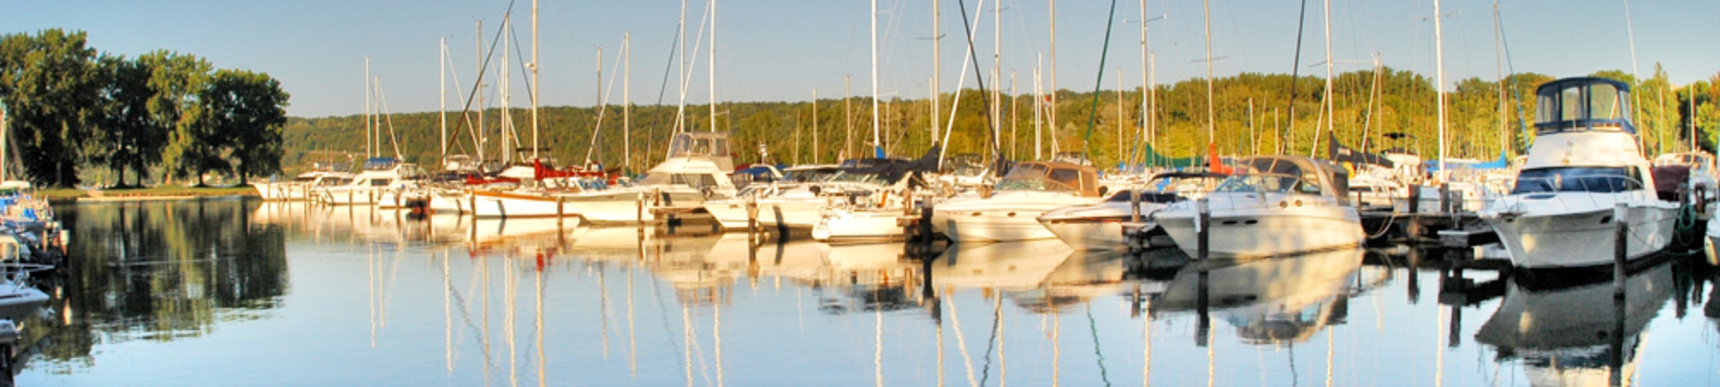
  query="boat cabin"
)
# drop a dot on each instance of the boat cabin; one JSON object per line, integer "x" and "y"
{"x": 1596, "y": 147}
{"x": 1583, "y": 104}
{"x": 1057, "y": 176}
{"x": 712, "y": 145}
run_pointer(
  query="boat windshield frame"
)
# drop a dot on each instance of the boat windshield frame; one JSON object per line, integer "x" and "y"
{"x": 1041, "y": 177}
{"x": 1595, "y": 179}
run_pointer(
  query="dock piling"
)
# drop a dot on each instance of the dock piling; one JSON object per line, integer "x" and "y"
{"x": 1203, "y": 224}
{"x": 1620, "y": 248}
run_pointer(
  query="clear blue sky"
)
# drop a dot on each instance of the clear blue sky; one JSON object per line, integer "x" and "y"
{"x": 780, "y": 50}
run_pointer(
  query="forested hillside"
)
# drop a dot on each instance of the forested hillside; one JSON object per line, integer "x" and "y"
{"x": 1253, "y": 115}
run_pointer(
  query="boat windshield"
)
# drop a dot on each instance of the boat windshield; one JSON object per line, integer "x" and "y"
{"x": 1269, "y": 182}
{"x": 1577, "y": 179}
{"x": 1039, "y": 177}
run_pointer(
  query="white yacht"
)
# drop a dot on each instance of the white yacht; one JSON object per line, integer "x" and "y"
{"x": 1584, "y": 173}
{"x": 1011, "y": 212}
{"x": 303, "y": 186}
{"x": 1272, "y": 205}
{"x": 1100, "y": 226}
{"x": 382, "y": 176}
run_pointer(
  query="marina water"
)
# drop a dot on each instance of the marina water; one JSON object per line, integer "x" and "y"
{"x": 234, "y": 291}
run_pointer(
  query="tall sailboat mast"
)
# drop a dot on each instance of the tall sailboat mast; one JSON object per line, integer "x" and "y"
{"x": 442, "y": 95}
{"x": 627, "y": 101}
{"x": 1439, "y": 77}
{"x": 713, "y": 66}
{"x": 937, "y": 51}
{"x": 534, "y": 69}
{"x": 877, "y": 144}
{"x": 367, "y": 120}
{"x": 1327, "y": 98}
{"x": 1211, "y": 113}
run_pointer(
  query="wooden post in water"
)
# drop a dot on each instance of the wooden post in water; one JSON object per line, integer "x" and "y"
{"x": 1202, "y": 304}
{"x": 1414, "y": 199}
{"x": 639, "y": 214}
{"x": 560, "y": 210}
{"x": 1203, "y": 232}
{"x": 926, "y": 237}
{"x": 1621, "y": 250}
{"x": 752, "y": 219}
{"x": 1445, "y": 198}
{"x": 1135, "y": 205}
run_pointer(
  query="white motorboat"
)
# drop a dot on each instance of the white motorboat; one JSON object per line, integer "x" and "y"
{"x": 1583, "y": 175}
{"x": 1272, "y": 205}
{"x": 382, "y": 176}
{"x": 1011, "y": 212}
{"x": 1100, "y": 226}
{"x": 801, "y": 206}
{"x": 302, "y": 187}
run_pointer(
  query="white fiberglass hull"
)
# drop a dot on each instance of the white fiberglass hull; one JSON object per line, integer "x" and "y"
{"x": 847, "y": 226}
{"x": 1578, "y": 229}
{"x": 792, "y": 213}
{"x": 290, "y": 190}
{"x": 1254, "y": 224}
{"x": 1094, "y": 227}
{"x": 490, "y": 204}
{"x": 624, "y": 206}
{"x": 1004, "y": 217}
{"x": 344, "y": 196}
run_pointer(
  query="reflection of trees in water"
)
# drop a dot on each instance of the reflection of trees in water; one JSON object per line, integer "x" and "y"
{"x": 160, "y": 271}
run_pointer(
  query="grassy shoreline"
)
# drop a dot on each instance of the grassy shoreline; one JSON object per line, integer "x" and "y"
{"x": 57, "y": 194}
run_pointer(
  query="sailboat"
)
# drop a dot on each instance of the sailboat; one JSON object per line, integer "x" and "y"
{"x": 1583, "y": 175}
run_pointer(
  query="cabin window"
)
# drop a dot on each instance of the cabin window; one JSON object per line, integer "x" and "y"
{"x": 379, "y": 183}
{"x": 1578, "y": 179}
{"x": 1570, "y": 104}
{"x": 1068, "y": 177}
{"x": 1605, "y": 103}
{"x": 1548, "y": 106}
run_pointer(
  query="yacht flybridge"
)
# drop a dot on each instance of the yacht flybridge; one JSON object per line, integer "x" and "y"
{"x": 1584, "y": 173}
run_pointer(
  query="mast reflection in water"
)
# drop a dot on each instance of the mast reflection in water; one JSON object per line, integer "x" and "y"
{"x": 230, "y": 291}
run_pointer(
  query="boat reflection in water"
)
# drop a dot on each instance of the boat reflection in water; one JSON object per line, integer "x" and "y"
{"x": 1577, "y": 335}
{"x": 1269, "y": 300}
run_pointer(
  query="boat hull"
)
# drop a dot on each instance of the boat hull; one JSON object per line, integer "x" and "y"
{"x": 487, "y": 204}
{"x": 1095, "y": 227}
{"x": 793, "y": 214}
{"x": 845, "y": 226}
{"x": 1004, "y": 217}
{"x": 1573, "y": 236}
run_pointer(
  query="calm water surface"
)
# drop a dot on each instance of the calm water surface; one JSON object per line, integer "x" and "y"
{"x": 238, "y": 292}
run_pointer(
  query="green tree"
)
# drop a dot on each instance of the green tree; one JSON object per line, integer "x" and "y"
{"x": 245, "y": 112}
{"x": 130, "y": 137}
{"x": 50, "y": 85}
{"x": 177, "y": 80}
